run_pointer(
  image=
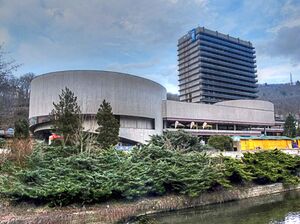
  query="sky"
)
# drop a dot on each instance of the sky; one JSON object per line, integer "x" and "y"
{"x": 140, "y": 36}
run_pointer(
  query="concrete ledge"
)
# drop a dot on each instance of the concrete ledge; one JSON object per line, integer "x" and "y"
{"x": 113, "y": 212}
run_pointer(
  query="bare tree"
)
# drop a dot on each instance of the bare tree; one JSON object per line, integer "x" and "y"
{"x": 7, "y": 85}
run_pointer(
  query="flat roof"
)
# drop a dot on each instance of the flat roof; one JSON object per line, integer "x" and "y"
{"x": 264, "y": 137}
{"x": 217, "y": 34}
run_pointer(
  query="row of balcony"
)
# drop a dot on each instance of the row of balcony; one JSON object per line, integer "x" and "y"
{"x": 186, "y": 75}
{"x": 226, "y": 54}
{"x": 228, "y": 49}
{"x": 188, "y": 47}
{"x": 229, "y": 86}
{"x": 195, "y": 85}
{"x": 227, "y": 38}
{"x": 225, "y": 69}
{"x": 194, "y": 57}
{"x": 189, "y": 67}
{"x": 228, "y": 65}
{"x": 227, "y": 59}
{"x": 189, "y": 83}
{"x": 192, "y": 88}
{"x": 228, "y": 80}
{"x": 214, "y": 91}
{"x": 217, "y": 40}
{"x": 228, "y": 75}
{"x": 188, "y": 63}
{"x": 188, "y": 57}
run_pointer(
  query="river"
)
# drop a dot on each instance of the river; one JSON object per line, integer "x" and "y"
{"x": 281, "y": 208}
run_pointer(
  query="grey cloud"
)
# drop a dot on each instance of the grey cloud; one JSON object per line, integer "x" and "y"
{"x": 95, "y": 28}
{"x": 285, "y": 44}
{"x": 129, "y": 66}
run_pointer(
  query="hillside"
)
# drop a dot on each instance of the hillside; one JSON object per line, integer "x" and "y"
{"x": 286, "y": 97}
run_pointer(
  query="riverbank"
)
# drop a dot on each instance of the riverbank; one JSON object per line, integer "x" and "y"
{"x": 107, "y": 213}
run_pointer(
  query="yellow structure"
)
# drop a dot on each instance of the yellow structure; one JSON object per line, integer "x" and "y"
{"x": 262, "y": 143}
{"x": 297, "y": 140}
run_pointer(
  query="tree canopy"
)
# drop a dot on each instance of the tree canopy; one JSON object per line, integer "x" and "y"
{"x": 21, "y": 128}
{"x": 66, "y": 116}
{"x": 290, "y": 126}
{"x": 108, "y": 126}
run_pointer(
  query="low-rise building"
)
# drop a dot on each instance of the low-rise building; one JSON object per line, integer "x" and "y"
{"x": 142, "y": 108}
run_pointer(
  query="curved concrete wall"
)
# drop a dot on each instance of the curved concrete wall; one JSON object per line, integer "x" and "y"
{"x": 128, "y": 95}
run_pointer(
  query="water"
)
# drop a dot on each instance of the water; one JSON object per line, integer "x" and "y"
{"x": 273, "y": 209}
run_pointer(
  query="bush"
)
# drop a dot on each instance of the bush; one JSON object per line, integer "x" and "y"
{"x": 223, "y": 143}
{"x": 21, "y": 128}
{"x": 177, "y": 140}
{"x": 263, "y": 168}
{"x": 236, "y": 171}
{"x": 20, "y": 149}
{"x": 272, "y": 166}
{"x": 61, "y": 175}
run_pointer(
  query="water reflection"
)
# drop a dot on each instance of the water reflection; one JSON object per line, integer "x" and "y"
{"x": 273, "y": 209}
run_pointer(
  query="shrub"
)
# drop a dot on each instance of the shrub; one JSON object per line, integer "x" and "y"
{"x": 177, "y": 140}
{"x": 236, "y": 171}
{"x": 272, "y": 166}
{"x": 223, "y": 143}
{"x": 21, "y": 128}
{"x": 20, "y": 149}
{"x": 61, "y": 175}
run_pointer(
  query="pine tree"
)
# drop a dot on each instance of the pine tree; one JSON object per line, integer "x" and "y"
{"x": 21, "y": 128}
{"x": 290, "y": 126}
{"x": 66, "y": 116}
{"x": 108, "y": 126}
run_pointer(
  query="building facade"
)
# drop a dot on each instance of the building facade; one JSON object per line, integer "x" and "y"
{"x": 142, "y": 108}
{"x": 136, "y": 102}
{"x": 214, "y": 67}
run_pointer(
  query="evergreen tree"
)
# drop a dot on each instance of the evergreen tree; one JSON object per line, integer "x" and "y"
{"x": 290, "y": 126}
{"x": 66, "y": 116}
{"x": 223, "y": 143}
{"x": 21, "y": 128}
{"x": 108, "y": 126}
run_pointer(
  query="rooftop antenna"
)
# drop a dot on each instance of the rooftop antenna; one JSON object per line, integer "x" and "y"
{"x": 291, "y": 79}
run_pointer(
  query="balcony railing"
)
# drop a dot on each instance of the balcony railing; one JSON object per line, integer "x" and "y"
{"x": 226, "y": 54}
{"x": 228, "y": 64}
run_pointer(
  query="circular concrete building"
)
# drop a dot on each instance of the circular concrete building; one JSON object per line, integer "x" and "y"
{"x": 136, "y": 102}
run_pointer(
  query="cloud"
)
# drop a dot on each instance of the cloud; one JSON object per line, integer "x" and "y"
{"x": 284, "y": 41}
{"x": 137, "y": 36}
{"x": 130, "y": 66}
{"x": 4, "y": 36}
{"x": 279, "y": 73}
{"x": 286, "y": 44}
{"x": 290, "y": 12}
{"x": 113, "y": 31}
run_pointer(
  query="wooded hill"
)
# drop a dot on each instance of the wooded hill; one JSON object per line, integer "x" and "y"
{"x": 14, "y": 92}
{"x": 286, "y": 97}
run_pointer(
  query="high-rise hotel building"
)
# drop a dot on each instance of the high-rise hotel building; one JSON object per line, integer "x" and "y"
{"x": 215, "y": 67}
